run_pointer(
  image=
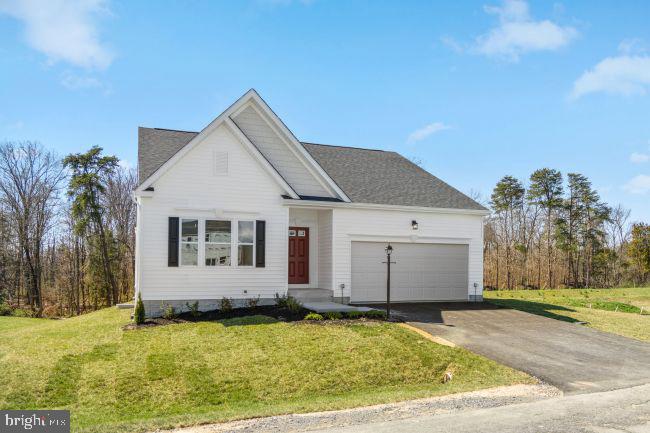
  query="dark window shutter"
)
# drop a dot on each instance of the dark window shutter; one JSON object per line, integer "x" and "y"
{"x": 260, "y": 244}
{"x": 172, "y": 242}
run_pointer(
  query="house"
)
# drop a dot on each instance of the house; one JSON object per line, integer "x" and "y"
{"x": 242, "y": 209}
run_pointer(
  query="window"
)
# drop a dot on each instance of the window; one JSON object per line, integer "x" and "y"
{"x": 217, "y": 243}
{"x": 246, "y": 239}
{"x": 189, "y": 242}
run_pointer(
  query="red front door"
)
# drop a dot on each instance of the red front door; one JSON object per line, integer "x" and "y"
{"x": 298, "y": 255}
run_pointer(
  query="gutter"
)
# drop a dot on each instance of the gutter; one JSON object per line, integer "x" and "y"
{"x": 386, "y": 207}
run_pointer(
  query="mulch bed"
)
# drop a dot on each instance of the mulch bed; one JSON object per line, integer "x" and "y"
{"x": 280, "y": 313}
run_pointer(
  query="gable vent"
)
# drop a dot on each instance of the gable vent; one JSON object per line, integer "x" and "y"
{"x": 220, "y": 161}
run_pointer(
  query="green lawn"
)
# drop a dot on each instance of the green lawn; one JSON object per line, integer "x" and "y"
{"x": 114, "y": 380}
{"x": 612, "y": 310}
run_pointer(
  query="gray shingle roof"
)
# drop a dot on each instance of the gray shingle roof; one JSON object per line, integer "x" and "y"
{"x": 156, "y": 146}
{"x": 377, "y": 176}
{"x": 365, "y": 175}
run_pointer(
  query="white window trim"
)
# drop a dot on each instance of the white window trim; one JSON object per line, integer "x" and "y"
{"x": 181, "y": 242}
{"x": 234, "y": 243}
{"x": 237, "y": 243}
{"x": 205, "y": 243}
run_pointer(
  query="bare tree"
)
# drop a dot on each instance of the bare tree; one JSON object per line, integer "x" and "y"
{"x": 121, "y": 214}
{"x": 30, "y": 179}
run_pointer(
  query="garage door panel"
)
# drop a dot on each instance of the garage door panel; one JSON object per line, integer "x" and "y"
{"x": 422, "y": 272}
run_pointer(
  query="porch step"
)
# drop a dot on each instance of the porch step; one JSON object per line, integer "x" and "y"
{"x": 317, "y": 295}
{"x": 329, "y": 307}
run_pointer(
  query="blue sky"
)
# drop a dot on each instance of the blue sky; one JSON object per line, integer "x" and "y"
{"x": 475, "y": 90}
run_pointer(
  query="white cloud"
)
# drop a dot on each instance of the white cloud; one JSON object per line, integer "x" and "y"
{"x": 622, "y": 75}
{"x": 125, "y": 164}
{"x": 517, "y": 33}
{"x": 452, "y": 44}
{"x": 426, "y": 131}
{"x": 639, "y": 158}
{"x": 63, "y": 30}
{"x": 73, "y": 81}
{"x": 632, "y": 46}
{"x": 638, "y": 185}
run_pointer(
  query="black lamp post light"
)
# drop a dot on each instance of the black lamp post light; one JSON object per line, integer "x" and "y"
{"x": 389, "y": 251}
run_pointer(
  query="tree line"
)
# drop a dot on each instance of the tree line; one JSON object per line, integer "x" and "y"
{"x": 67, "y": 233}
{"x": 555, "y": 232}
{"x": 67, "y": 230}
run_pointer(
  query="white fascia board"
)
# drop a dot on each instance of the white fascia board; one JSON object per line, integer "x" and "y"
{"x": 222, "y": 118}
{"x": 386, "y": 207}
{"x": 297, "y": 146}
{"x": 142, "y": 193}
{"x": 196, "y": 140}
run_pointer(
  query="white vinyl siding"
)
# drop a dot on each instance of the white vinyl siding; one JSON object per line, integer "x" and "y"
{"x": 189, "y": 190}
{"x": 325, "y": 251}
{"x": 278, "y": 154}
{"x": 387, "y": 225}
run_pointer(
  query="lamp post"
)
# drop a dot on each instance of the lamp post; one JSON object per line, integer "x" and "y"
{"x": 389, "y": 251}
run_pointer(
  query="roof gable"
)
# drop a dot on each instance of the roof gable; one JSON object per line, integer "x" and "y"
{"x": 352, "y": 174}
{"x": 278, "y": 149}
{"x": 159, "y": 150}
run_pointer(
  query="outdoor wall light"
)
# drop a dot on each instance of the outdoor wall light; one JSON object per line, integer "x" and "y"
{"x": 414, "y": 224}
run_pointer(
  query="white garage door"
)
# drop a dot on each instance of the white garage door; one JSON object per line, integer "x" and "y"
{"x": 422, "y": 272}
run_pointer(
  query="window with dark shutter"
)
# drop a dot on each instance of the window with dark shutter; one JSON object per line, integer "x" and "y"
{"x": 260, "y": 244}
{"x": 172, "y": 242}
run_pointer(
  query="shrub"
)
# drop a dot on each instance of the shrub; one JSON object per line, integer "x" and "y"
{"x": 288, "y": 302}
{"x": 226, "y": 305}
{"x": 253, "y": 302}
{"x": 333, "y": 315}
{"x": 5, "y": 310}
{"x": 280, "y": 300}
{"x": 313, "y": 316}
{"x": 293, "y": 304}
{"x": 19, "y": 312}
{"x": 375, "y": 314}
{"x": 193, "y": 308}
{"x": 354, "y": 314}
{"x": 168, "y": 311}
{"x": 138, "y": 313}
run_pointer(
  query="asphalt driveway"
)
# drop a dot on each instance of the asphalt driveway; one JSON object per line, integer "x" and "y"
{"x": 572, "y": 357}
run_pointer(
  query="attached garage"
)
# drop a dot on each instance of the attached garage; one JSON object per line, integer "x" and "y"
{"x": 421, "y": 272}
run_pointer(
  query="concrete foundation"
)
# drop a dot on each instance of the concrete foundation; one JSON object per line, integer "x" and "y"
{"x": 155, "y": 308}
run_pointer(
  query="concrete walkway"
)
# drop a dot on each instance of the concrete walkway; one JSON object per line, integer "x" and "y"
{"x": 329, "y": 307}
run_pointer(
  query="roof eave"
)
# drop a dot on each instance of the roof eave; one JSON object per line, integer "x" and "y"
{"x": 387, "y": 207}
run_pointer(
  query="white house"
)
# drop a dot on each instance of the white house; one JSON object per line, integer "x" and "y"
{"x": 242, "y": 209}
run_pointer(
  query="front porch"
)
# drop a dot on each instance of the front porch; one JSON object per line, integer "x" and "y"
{"x": 310, "y": 256}
{"x": 321, "y": 301}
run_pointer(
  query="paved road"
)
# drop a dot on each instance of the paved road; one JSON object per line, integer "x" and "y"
{"x": 624, "y": 410}
{"x": 572, "y": 357}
